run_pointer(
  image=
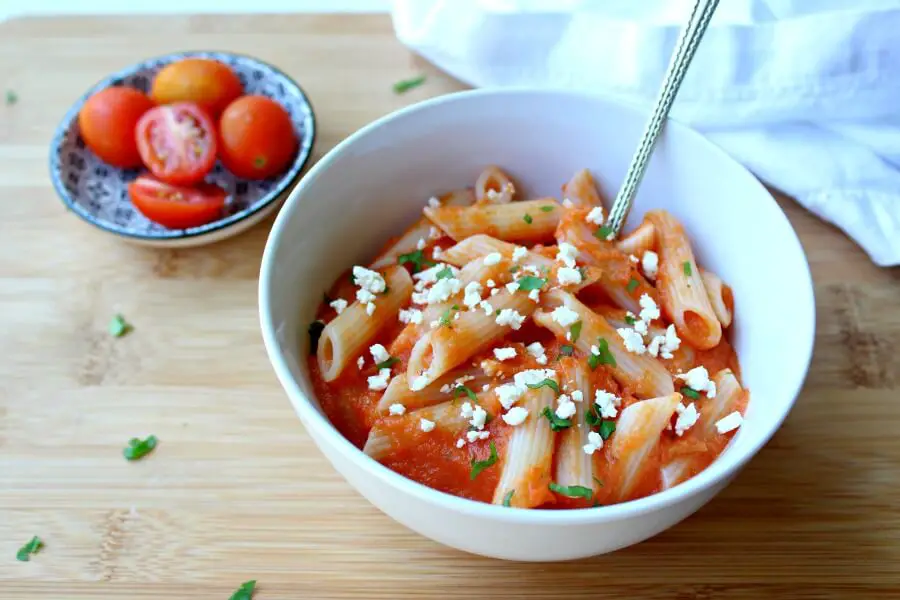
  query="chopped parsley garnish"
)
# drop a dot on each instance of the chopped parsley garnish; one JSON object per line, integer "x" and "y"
{"x": 592, "y": 416}
{"x": 387, "y": 364}
{"x": 508, "y": 497}
{"x": 572, "y": 491}
{"x": 514, "y": 268}
{"x": 444, "y": 273}
{"x": 315, "y": 332}
{"x": 11, "y": 97}
{"x": 686, "y": 266}
{"x": 138, "y": 449}
{"x": 632, "y": 285}
{"x": 603, "y": 232}
{"x": 530, "y": 282}
{"x": 544, "y": 383}
{"x": 245, "y": 592}
{"x": 417, "y": 259}
{"x": 547, "y": 208}
{"x": 462, "y": 389}
{"x": 404, "y": 85}
{"x": 527, "y": 218}
{"x": 556, "y": 423}
{"x": 686, "y": 391}
{"x": 604, "y": 358}
{"x": 119, "y": 326}
{"x": 607, "y": 428}
{"x": 630, "y": 320}
{"x": 497, "y": 312}
{"x": 575, "y": 330}
{"x": 447, "y": 318}
{"x": 480, "y": 465}
{"x": 33, "y": 546}
{"x": 566, "y": 350}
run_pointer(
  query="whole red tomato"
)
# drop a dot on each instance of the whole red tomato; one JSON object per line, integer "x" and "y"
{"x": 256, "y": 137}
{"x": 107, "y": 121}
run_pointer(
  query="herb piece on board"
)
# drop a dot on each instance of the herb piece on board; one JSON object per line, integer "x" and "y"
{"x": 404, "y": 85}
{"x": 138, "y": 449}
{"x": 444, "y": 273}
{"x": 32, "y": 547}
{"x": 603, "y": 232}
{"x": 119, "y": 326}
{"x": 480, "y": 465}
{"x": 11, "y": 97}
{"x": 245, "y": 592}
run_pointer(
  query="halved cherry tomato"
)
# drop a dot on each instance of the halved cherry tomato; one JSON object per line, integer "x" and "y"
{"x": 107, "y": 121}
{"x": 209, "y": 83}
{"x": 177, "y": 142}
{"x": 177, "y": 207}
{"x": 256, "y": 137}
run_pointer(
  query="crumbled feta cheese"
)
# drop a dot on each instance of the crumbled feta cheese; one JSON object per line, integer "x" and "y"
{"x": 595, "y": 216}
{"x": 443, "y": 289}
{"x": 532, "y": 270}
{"x": 595, "y": 442}
{"x": 665, "y": 345}
{"x": 370, "y": 308}
{"x": 534, "y": 295}
{"x": 511, "y": 317}
{"x": 634, "y": 258}
{"x": 533, "y": 377}
{"x": 608, "y": 404}
{"x": 634, "y": 343}
{"x": 485, "y": 387}
{"x": 437, "y": 253}
{"x": 360, "y": 362}
{"x": 460, "y": 443}
{"x": 536, "y": 349}
{"x": 519, "y": 253}
{"x": 516, "y": 416}
{"x": 412, "y": 315}
{"x": 426, "y": 425}
{"x": 595, "y": 350}
{"x": 649, "y": 309}
{"x": 577, "y": 396}
{"x": 505, "y": 353}
{"x": 492, "y": 194}
{"x": 655, "y": 343}
{"x": 433, "y": 202}
{"x": 486, "y": 306}
{"x": 687, "y": 417}
{"x": 650, "y": 264}
{"x": 641, "y": 327}
{"x": 568, "y": 203}
{"x": 566, "y": 253}
{"x": 698, "y": 380}
{"x": 364, "y": 296}
{"x": 420, "y": 245}
{"x": 512, "y": 287}
{"x": 472, "y": 294}
{"x": 568, "y": 276}
{"x": 492, "y": 259}
{"x": 338, "y": 305}
{"x": 495, "y": 291}
{"x": 564, "y": 315}
{"x": 379, "y": 353}
{"x": 490, "y": 283}
{"x": 473, "y": 436}
{"x": 380, "y": 381}
{"x": 418, "y": 383}
{"x": 508, "y": 394}
{"x": 396, "y": 409}
{"x": 479, "y": 418}
{"x": 434, "y": 233}
{"x": 565, "y": 407}
{"x": 368, "y": 281}
{"x": 429, "y": 275}
{"x": 456, "y": 317}
{"x": 729, "y": 422}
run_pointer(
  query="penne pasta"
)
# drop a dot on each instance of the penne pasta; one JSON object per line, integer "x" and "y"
{"x": 638, "y": 241}
{"x": 531, "y": 220}
{"x": 350, "y": 333}
{"x": 581, "y": 190}
{"x": 720, "y": 297}
{"x": 682, "y": 292}
{"x": 574, "y": 466}
{"x": 444, "y": 388}
{"x": 480, "y": 245}
{"x": 639, "y": 372}
{"x": 446, "y": 415}
{"x": 494, "y": 186}
{"x": 528, "y": 459}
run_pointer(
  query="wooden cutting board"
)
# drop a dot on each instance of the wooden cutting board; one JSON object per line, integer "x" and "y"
{"x": 236, "y": 489}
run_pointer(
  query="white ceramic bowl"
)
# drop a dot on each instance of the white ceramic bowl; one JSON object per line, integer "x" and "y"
{"x": 373, "y": 184}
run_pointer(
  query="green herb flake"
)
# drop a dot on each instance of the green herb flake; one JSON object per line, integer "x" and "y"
{"x": 547, "y": 208}
{"x": 387, "y": 364}
{"x": 508, "y": 497}
{"x": 514, "y": 268}
{"x": 686, "y": 266}
{"x": 632, "y": 285}
{"x": 31, "y": 548}
{"x": 604, "y": 358}
{"x": 446, "y": 319}
{"x": 480, "y": 465}
{"x": 245, "y": 592}
{"x": 417, "y": 259}
{"x": 527, "y": 218}
{"x": 607, "y": 428}
{"x": 530, "y": 282}
{"x": 404, "y": 85}
{"x": 592, "y": 417}
{"x": 575, "y": 330}
{"x": 138, "y": 449}
{"x": 315, "y": 332}
{"x": 572, "y": 491}
{"x": 119, "y": 326}
{"x": 603, "y": 232}
{"x": 630, "y": 320}
{"x": 445, "y": 273}
{"x": 566, "y": 350}
{"x": 462, "y": 389}
{"x": 11, "y": 97}
{"x": 556, "y": 423}
{"x": 544, "y": 383}
{"x": 686, "y": 391}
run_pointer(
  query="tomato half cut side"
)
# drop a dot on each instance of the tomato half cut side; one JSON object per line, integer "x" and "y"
{"x": 177, "y": 142}
{"x": 177, "y": 207}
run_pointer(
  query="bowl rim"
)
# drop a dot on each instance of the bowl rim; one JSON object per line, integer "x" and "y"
{"x": 285, "y": 183}
{"x": 325, "y": 430}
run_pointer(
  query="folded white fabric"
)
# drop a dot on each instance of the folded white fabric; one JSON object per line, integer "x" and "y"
{"x": 805, "y": 93}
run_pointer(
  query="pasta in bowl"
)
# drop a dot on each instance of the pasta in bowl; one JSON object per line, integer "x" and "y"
{"x": 509, "y": 351}
{"x": 413, "y": 428}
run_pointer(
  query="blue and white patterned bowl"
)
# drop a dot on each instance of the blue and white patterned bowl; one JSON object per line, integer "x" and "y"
{"x": 98, "y": 192}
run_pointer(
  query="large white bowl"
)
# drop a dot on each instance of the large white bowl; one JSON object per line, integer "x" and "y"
{"x": 375, "y": 183}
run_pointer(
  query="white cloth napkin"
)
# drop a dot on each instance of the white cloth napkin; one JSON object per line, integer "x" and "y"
{"x": 805, "y": 93}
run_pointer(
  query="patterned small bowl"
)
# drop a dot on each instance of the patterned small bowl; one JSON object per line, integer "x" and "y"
{"x": 98, "y": 192}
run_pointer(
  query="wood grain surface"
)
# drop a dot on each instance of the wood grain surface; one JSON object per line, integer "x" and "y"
{"x": 236, "y": 489}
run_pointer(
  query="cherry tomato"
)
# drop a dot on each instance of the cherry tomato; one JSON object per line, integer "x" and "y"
{"x": 107, "y": 122}
{"x": 177, "y": 207}
{"x": 177, "y": 142}
{"x": 256, "y": 137}
{"x": 209, "y": 83}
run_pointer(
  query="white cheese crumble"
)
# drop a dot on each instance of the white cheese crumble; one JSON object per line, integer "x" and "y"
{"x": 437, "y": 253}
{"x": 595, "y": 216}
{"x": 418, "y": 383}
{"x": 516, "y": 416}
{"x": 641, "y": 327}
{"x": 687, "y": 417}
{"x": 338, "y": 305}
{"x": 433, "y": 202}
{"x": 495, "y": 291}
{"x": 634, "y": 343}
{"x": 534, "y": 295}
{"x": 566, "y": 254}
{"x": 370, "y": 308}
{"x": 650, "y": 264}
{"x": 473, "y": 436}
{"x": 460, "y": 443}
{"x": 565, "y": 407}
{"x": 508, "y": 394}
{"x": 512, "y": 287}
{"x": 511, "y": 317}
{"x": 568, "y": 203}
{"x": 729, "y": 422}
{"x": 492, "y": 194}
{"x": 564, "y": 315}
{"x": 577, "y": 396}
{"x": 665, "y": 345}
{"x": 486, "y": 306}
{"x": 426, "y": 425}
{"x": 443, "y": 289}
{"x": 649, "y": 309}
{"x": 519, "y": 253}
{"x": 360, "y": 362}
{"x": 369, "y": 282}
{"x": 420, "y": 245}
{"x": 492, "y": 259}
{"x": 485, "y": 387}
{"x": 532, "y": 376}
{"x": 380, "y": 381}
{"x": 434, "y": 233}
{"x": 490, "y": 283}
{"x": 595, "y": 442}
{"x": 412, "y": 315}
{"x": 634, "y": 258}
{"x": 396, "y": 409}
{"x": 476, "y": 415}
{"x": 608, "y": 404}
{"x": 505, "y": 353}
{"x": 472, "y": 295}
{"x": 536, "y": 349}
{"x": 568, "y": 276}
{"x": 698, "y": 380}
{"x": 379, "y": 353}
